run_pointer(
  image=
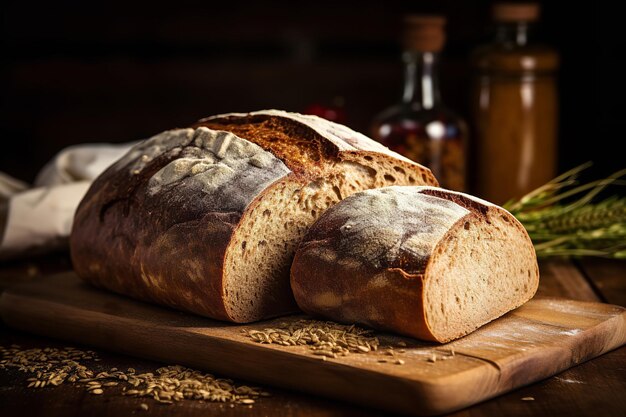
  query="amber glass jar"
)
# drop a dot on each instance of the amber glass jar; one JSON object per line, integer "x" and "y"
{"x": 421, "y": 127}
{"x": 514, "y": 105}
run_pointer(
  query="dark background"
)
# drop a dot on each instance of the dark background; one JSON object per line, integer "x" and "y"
{"x": 77, "y": 72}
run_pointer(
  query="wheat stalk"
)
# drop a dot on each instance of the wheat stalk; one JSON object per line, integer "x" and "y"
{"x": 563, "y": 220}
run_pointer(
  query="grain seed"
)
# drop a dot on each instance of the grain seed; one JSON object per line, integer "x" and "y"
{"x": 166, "y": 385}
{"x": 318, "y": 336}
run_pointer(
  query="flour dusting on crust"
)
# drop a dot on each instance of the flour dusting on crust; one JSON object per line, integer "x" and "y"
{"x": 140, "y": 155}
{"x": 380, "y": 225}
{"x": 215, "y": 159}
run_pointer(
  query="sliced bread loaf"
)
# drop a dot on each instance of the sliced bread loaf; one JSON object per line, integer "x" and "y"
{"x": 207, "y": 219}
{"x": 421, "y": 261}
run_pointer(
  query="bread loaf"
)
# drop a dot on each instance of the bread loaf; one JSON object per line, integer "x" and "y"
{"x": 207, "y": 219}
{"x": 422, "y": 261}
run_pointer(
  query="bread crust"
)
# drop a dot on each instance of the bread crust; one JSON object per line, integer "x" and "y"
{"x": 331, "y": 276}
{"x": 140, "y": 233}
{"x": 160, "y": 246}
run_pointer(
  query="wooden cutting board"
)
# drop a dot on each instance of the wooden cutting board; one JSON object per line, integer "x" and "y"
{"x": 540, "y": 339}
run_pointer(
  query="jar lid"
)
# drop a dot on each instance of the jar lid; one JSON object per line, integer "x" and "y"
{"x": 515, "y": 12}
{"x": 424, "y": 33}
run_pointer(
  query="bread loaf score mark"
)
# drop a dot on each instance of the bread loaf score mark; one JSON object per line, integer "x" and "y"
{"x": 207, "y": 219}
{"x": 307, "y": 142}
{"x": 217, "y": 158}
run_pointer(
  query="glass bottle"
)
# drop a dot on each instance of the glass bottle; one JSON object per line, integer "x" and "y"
{"x": 421, "y": 127}
{"x": 514, "y": 106}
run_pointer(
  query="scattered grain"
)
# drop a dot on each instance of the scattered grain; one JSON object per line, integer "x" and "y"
{"x": 166, "y": 385}
{"x": 320, "y": 336}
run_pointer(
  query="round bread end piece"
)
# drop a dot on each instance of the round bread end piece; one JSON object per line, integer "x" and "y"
{"x": 420, "y": 261}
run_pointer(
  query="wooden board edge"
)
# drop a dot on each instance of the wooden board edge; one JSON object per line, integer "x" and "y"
{"x": 407, "y": 396}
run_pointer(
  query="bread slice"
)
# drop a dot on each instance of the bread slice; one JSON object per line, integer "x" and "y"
{"x": 207, "y": 219}
{"x": 421, "y": 261}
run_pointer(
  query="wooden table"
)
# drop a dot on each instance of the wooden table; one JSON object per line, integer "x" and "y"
{"x": 595, "y": 388}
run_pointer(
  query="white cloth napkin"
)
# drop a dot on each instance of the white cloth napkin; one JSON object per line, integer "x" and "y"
{"x": 40, "y": 218}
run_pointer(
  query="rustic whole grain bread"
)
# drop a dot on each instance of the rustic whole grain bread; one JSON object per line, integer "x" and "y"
{"x": 422, "y": 261}
{"x": 207, "y": 219}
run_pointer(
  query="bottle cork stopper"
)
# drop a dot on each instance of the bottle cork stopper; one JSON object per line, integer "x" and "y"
{"x": 515, "y": 12}
{"x": 424, "y": 33}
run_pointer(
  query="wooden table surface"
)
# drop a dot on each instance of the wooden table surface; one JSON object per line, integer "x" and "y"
{"x": 596, "y": 388}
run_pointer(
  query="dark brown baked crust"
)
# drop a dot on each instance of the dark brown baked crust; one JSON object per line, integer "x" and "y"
{"x": 339, "y": 275}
